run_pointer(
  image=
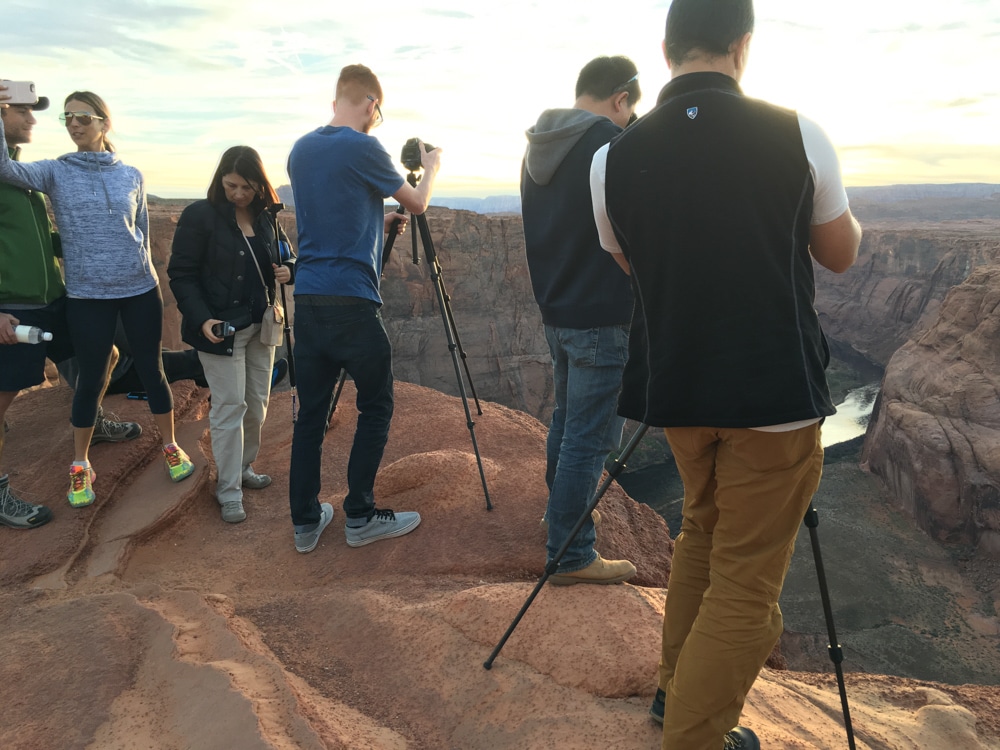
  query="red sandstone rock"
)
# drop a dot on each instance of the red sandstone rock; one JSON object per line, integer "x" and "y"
{"x": 145, "y": 621}
{"x": 935, "y": 439}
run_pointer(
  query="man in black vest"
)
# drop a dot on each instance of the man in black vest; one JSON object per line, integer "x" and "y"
{"x": 586, "y": 306}
{"x": 717, "y": 204}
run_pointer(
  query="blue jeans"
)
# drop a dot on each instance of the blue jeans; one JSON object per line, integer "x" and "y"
{"x": 329, "y": 338}
{"x": 587, "y": 371}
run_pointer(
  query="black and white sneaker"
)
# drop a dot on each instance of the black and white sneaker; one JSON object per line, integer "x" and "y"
{"x": 108, "y": 429}
{"x": 17, "y": 513}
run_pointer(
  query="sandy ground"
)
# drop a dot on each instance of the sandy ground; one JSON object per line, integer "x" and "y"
{"x": 144, "y": 621}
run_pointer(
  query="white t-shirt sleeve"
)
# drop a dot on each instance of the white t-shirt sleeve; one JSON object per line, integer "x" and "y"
{"x": 598, "y": 173}
{"x": 829, "y": 198}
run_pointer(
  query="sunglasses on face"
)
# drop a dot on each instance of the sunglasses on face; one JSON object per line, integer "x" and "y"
{"x": 84, "y": 118}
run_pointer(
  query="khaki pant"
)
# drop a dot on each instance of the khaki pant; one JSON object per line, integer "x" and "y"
{"x": 745, "y": 494}
{"x": 241, "y": 387}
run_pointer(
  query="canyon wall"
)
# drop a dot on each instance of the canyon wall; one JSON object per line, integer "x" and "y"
{"x": 895, "y": 289}
{"x": 893, "y": 293}
{"x": 934, "y": 438}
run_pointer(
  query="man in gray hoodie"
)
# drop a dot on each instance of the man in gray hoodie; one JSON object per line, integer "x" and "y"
{"x": 586, "y": 305}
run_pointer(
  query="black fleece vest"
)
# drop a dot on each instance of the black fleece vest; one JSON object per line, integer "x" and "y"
{"x": 710, "y": 196}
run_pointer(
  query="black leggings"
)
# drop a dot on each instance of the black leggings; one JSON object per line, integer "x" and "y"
{"x": 92, "y": 328}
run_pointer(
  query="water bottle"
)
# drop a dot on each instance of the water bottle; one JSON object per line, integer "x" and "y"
{"x": 31, "y": 334}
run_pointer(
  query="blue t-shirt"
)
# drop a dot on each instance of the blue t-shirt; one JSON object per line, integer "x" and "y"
{"x": 340, "y": 178}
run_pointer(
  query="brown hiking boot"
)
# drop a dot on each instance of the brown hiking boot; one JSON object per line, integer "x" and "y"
{"x": 599, "y": 571}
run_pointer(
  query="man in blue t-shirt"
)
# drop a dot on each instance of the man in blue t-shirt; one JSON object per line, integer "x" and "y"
{"x": 340, "y": 177}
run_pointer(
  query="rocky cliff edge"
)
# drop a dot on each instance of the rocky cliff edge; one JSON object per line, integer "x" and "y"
{"x": 144, "y": 621}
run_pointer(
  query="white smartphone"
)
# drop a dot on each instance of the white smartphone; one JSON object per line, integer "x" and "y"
{"x": 20, "y": 92}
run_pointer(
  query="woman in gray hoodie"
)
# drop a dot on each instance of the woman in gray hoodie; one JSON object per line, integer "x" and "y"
{"x": 100, "y": 208}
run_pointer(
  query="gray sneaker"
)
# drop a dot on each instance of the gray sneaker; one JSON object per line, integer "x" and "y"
{"x": 18, "y": 514}
{"x": 383, "y": 525}
{"x": 232, "y": 511}
{"x": 254, "y": 481}
{"x": 306, "y": 541}
{"x": 108, "y": 429}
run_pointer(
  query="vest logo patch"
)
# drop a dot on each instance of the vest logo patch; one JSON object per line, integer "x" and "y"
{"x": 692, "y": 112}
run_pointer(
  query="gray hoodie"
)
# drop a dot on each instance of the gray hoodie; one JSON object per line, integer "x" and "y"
{"x": 100, "y": 208}
{"x": 552, "y": 137}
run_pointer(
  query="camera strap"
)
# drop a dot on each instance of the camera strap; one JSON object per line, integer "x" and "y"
{"x": 267, "y": 289}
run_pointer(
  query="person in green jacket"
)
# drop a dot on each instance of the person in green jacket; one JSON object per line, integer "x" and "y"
{"x": 32, "y": 293}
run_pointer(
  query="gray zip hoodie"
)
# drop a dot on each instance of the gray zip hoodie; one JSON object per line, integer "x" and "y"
{"x": 552, "y": 138}
{"x": 100, "y": 208}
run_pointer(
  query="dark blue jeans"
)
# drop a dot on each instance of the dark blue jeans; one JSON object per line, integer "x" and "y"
{"x": 329, "y": 338}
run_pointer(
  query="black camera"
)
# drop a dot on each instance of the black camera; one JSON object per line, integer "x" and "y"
{"x": 411, "y": 154}
{"x": 223, "y": 329}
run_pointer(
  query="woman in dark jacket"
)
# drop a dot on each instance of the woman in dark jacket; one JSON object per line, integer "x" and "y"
{"x": 216, "y": 280}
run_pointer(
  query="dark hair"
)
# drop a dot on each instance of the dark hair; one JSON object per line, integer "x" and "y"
{"x": 245, "y": 162}
{"x": 356, "y": 82}
{"x": 603, "y": 77}
{"x": 97, "y": 104}
{"x": 708, "y": 27}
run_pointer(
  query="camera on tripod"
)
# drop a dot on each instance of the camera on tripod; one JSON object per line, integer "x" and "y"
{"x": 411, "y": 154}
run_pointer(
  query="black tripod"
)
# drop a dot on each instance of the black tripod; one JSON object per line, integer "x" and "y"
{"x": 284, "y": 253}
{"x": 811, "y": 521}
{"x": 447, "y": 316}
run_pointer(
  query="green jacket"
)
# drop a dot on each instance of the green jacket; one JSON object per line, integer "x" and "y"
{"x": 29, "y": 271}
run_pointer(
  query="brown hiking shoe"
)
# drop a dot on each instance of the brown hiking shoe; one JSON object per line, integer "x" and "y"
{"x": 599, "y": 571}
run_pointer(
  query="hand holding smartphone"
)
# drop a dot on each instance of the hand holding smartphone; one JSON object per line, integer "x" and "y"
{"x": 20, "y": 92}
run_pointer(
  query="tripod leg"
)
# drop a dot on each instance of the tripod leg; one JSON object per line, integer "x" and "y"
{"x": 836, "y": 652}
{"x": 291, "y": 357}
{"x": 613, "y": 474}
{"x": 449, "y": 332}
{"x": 336, "y": 396}
{"x": 458, "y": 341}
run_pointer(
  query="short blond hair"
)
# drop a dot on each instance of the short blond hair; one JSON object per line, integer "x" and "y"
{"x": 357, "y": 82}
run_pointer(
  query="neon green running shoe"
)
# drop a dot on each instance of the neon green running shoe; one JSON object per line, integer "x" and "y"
{"x": 179, "y": 465}
{"x": 81, "y": 491}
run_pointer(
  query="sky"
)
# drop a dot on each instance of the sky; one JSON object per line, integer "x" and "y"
{"x": 908, "y": 92}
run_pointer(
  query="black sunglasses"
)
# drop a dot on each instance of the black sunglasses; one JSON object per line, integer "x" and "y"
{"x": 618, "y": 89}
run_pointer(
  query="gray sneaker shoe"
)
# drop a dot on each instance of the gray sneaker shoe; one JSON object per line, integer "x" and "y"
{"x": 18, "y": 514}
{"x": 108, "y": 429}
{"x": 232, "y": 511}
{"x": 254, "y": 481}
{"x": 306, "y": 541}
{"x": 383, "y": 525}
